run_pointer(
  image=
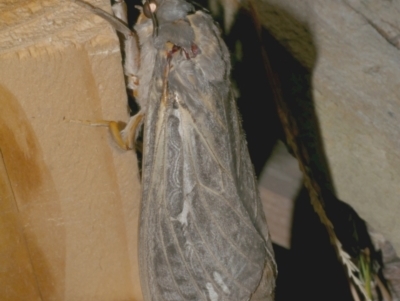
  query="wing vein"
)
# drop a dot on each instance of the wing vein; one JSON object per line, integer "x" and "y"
{"x": 223, "y": 233}
{"x": 167, "y": 260}
{"x": 210, "y": 149}
{"x": 190, "y": 273}
{"x": 218, "y": 262}
{"x": 208, "y": 209}
{"x": 229, "y": 204}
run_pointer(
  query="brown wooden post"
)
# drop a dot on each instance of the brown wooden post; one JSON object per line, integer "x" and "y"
{"x": 69, "y": 198}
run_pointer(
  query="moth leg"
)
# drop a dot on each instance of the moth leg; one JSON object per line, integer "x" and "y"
{"x": 126, "y": 138}
{"x": 112, "y": 125}
{"x": 171, "y": 49}
{"x": 131, "y": 132}
{"x": 120, "y": 10}
{"x": 164, "y": 97}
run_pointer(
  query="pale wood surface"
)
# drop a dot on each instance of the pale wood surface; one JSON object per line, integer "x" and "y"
{"x": 352, "y": 49}
{"x": 69, "y": 198}
{"x": 279, "y": 184}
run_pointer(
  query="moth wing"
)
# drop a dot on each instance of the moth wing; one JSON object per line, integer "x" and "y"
{"x": 203, "y": 233}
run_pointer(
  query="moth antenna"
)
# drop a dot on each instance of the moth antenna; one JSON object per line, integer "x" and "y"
{"x": 131, "y": 42}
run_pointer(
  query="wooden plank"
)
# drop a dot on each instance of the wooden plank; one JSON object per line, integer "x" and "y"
{"x": 279, "y": 184}
{"x": 77, "y": 194}
{"x": 17, "y": 277}
{"x": 352, "y": 49}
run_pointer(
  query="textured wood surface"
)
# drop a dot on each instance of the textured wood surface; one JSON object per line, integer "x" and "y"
{"x": 279, "y": 184}
{"x": 352, "y": 49}
{"x": 69, "y": 198}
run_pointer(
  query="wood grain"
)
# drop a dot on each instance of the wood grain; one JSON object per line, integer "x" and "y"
{"x": 68, "y": 228}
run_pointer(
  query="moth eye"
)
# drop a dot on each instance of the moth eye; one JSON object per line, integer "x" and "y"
{"x": 149, "y": 8}
{"x": 146, "y": 10}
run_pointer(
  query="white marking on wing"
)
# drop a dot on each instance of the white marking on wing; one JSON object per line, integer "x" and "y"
{"x": 182, "y": 217}
{"x": 211, "y": 292}
{"x": 221, "y": 283}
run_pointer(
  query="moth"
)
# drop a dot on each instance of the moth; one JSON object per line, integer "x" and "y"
{"x": 203, "y": 233}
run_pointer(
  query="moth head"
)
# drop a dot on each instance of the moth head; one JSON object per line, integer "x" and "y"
{"x": 165, "y": 11}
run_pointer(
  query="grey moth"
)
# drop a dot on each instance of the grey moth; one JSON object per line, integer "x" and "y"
{"x": 203, "y": 234}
